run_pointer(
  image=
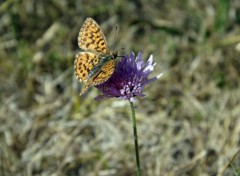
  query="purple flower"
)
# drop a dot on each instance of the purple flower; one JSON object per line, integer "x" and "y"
{"x": 128, "y": 79}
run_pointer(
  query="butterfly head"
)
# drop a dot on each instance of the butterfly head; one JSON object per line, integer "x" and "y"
{"x": 115, "y": 54}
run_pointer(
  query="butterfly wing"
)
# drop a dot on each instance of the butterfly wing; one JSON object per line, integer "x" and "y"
{"x": 83, "y": 64}
{"x": 96, "y": 64}
{"x": 91, "y": 38}
{"x": 103, "y": 75}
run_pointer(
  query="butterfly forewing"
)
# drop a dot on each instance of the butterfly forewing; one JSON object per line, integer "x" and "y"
{"x": 92, "y": 38}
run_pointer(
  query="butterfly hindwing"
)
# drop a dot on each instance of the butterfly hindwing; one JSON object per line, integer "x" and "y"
{"x": 103, "y": 75}
{"x": 84, "y": 63}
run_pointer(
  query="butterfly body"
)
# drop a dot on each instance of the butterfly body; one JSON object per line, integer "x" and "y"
{"x": 95, "y": 64}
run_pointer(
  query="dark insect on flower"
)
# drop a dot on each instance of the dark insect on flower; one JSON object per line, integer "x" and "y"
{"x": 128, "y": 79}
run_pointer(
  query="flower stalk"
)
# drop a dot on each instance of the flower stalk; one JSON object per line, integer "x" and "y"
{"x": 135, "y": 139}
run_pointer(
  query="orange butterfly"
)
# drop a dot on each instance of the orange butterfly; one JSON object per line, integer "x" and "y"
{"x": 95, "y": 64}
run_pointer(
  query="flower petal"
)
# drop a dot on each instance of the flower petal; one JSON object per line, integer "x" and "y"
{"x": 129, "y": 78}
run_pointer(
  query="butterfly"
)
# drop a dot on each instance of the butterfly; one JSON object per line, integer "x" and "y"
{"x": 95, "y": 64}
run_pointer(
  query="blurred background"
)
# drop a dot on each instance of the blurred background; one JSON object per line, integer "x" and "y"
{"x": 188, "y": 122}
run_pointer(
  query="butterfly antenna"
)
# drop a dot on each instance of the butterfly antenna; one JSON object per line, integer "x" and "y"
{"x": 119, "y": 55}
{"x": 114, "y": 39}
{"x": 115, "y": 34}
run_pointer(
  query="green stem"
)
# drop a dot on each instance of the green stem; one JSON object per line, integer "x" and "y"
{"x": 135, "y": 139}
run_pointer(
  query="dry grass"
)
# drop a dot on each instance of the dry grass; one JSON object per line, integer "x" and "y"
{"x": 188, "y": 123}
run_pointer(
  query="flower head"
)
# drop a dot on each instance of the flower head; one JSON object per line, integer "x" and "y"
{"x": 128, "y": 79}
